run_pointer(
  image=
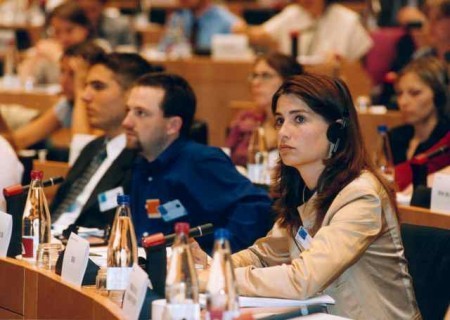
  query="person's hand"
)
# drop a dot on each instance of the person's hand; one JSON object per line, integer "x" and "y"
{"x": 80, "y": 69}
{"x": 200, "y": 256}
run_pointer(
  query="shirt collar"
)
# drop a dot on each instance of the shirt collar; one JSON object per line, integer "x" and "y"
{"x": 115, "y": 145}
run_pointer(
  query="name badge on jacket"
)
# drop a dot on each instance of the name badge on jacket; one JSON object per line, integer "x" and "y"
{"x": 108, "y": 200}
{"x": 303, "y": 238}
{"x": 172, "y": 210}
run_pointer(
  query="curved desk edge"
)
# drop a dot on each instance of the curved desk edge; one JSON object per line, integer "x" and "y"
{"x": 27, "y": 292}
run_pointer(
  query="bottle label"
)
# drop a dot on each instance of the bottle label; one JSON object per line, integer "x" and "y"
{"x": 118, "y": 278}
{"x": 222, "y": 315}
{"x": 182, "y": 311}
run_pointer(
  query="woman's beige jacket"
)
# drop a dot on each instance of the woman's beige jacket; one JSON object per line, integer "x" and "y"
{"x": 356, "y": 257}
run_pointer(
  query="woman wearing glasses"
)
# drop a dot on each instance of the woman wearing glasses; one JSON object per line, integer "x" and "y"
{"x": 268, "y": 73}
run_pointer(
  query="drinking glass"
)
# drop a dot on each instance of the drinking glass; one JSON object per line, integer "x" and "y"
{"x": 47, "y": 255}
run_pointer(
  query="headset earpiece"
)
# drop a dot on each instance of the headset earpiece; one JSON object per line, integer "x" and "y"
{"x": 335, "y": 132}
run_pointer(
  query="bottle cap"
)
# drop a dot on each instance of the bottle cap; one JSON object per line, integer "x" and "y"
{"x": 222, "y": 233}
{"x": 182, "y": 227}
{"x": 123, "y": 199}
{"x": 36, "y": 175}
{"x": 382, "y": 128}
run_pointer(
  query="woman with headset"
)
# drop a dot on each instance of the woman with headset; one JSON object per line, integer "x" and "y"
{"x": 337, "y": 230}
{"x": 423, "y": 99}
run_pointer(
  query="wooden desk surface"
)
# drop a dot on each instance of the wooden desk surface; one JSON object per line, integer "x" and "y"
{"x": 36, "y": 99}
{"x": 424, "y": 217}
{"x": 29, "y": 293}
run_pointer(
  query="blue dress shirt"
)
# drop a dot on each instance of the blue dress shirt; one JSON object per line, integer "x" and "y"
{"x": 215, "y": 20}
{"x": 204, "y": 180}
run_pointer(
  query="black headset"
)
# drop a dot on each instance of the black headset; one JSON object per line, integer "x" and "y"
{"x": 336, "y": 130}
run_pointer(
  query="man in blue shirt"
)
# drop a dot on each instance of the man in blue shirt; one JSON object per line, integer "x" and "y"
{"x": 200, "y": 20}
{"x": 176, "y": 179}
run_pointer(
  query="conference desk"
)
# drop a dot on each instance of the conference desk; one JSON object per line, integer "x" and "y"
{"x": 40, "y": 99}
{"x": 27, "y": 292}
{"x": 423, "y": 217}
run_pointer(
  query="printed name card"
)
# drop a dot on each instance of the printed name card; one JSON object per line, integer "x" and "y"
{"x": 135, "y": 292}
{"x": 5, "y": 232}
{"x": 75, "y": 260}
{"x": 440, "y": 193}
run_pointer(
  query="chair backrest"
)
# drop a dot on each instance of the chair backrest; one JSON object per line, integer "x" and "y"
{"x": 383, "y": 52}
{"x": 427, "y": 250}
{"x": 15, "y": 206}
{"x": 199, "y": 132}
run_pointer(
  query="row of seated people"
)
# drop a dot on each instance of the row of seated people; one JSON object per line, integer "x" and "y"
{"x": 324, "y": 28}
{"x": 424, "y": 79}
{"x": 328, "y": 190}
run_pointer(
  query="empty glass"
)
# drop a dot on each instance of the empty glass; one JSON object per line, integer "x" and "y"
{"x": 100, "y": 282}
{"x": 47, "y": 255}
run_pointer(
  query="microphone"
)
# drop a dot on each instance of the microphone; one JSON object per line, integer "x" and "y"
{"x": 160, "y": 238}
{"x": 426, "y": 156}
{"x": 19, "y": 189}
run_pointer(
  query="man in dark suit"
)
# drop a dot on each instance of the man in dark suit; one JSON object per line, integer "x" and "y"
{"x": 103, "y": 168}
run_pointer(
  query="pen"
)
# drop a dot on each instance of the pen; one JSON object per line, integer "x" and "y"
{"x": 92, "y": 254}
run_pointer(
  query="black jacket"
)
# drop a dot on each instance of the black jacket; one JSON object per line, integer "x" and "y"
{"x": 118, "y": 174}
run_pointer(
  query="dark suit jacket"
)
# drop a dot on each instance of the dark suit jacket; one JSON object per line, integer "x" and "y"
{"x": 118, "y": 174}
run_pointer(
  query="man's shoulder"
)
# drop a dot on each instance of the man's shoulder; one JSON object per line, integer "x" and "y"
{"x": 219, "y": 16}
{"x": 197, "y": 151}
{"x": 342, "y": 14}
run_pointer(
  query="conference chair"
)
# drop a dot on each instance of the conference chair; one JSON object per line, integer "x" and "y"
{"x": 427, "y": 250}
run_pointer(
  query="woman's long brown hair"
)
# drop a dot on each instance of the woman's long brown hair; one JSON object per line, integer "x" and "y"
{"x": 330, "y": 98}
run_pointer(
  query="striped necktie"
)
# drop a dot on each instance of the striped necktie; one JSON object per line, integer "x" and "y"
{"x": 81, "y": 182}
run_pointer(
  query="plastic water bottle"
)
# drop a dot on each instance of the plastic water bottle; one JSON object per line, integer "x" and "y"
{"x": 221, "y": 290}
{"x": 181, "y": 280}
{"x": 257, "y": 160}
{"x": 383, "y": 156}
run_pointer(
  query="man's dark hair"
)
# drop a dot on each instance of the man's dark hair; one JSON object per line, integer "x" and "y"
{"x": 88, "y": 50}
{"x": 128, "y": 67}
{"x": 179, "y": 98}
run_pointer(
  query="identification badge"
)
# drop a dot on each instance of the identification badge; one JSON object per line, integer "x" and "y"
{"x": 108, "y": 199}
{"x": 151, "y": 206}
{"x": 303, "y": 238}
{"x": 172, "y": 210}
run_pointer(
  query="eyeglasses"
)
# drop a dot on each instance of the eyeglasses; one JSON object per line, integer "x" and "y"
{"x": 264, "y": 76}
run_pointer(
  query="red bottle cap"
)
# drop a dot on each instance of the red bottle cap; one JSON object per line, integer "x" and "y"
{"x": 182, "y": 227}
{"x": 294, "y": 33}
{"x": 37, "y": 175}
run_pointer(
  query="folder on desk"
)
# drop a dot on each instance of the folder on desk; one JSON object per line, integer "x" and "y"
{"x": 256, "y": 302}
{"x": 259, "y": 302}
